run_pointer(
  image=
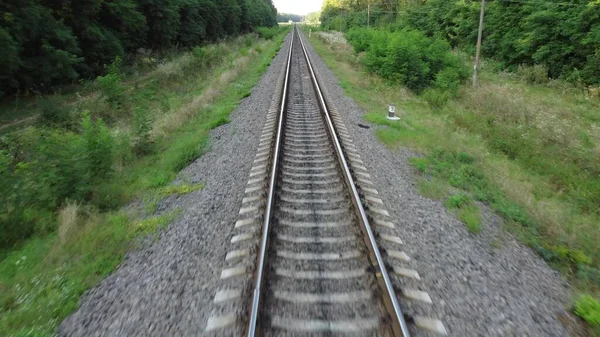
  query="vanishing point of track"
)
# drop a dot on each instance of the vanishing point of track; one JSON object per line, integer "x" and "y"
{"x": 319, "y": 270}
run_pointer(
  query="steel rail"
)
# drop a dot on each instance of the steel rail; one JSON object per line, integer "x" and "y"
{"x": 399, "y": 324}
{"x": 253, "y": 323}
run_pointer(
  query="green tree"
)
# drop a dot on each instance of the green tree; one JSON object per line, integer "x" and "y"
{"x": 162, "y": 17}
{"x": 48, "y": 50}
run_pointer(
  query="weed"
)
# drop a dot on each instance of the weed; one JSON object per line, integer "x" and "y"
{"x": 53, "y": 113}
{"x": 142, "y": 126}
{"x": 536, "y": 74}
{"x": 67, "y": 221}
{"x": 180, "y": 189}
{"x": 432, "y": 188}
{"x": 436, "y": 98}
{"x": 470, "y": 215}
{"x": 466, "y": 211}
{"x": 588, "y": 308}
{"x": 458, "y": 200}
{"x": 99, "y": 148}
{"x": 152, "y": 224}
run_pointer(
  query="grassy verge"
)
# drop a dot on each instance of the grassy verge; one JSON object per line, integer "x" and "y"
{"x": 43, "y": 277}
{"x": 528, "y": 152}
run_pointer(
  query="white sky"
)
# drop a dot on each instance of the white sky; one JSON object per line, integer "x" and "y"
{"x": 300, "y": 7}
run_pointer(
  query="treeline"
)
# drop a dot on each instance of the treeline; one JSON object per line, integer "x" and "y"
{"x": 46, "y": 43}
{"x": 285, "y": 17}
{"x": 312, "y": 17}
{"x": 562, "y": 36}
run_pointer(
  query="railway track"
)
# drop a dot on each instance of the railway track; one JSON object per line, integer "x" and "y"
{"x": 318, "y": 270}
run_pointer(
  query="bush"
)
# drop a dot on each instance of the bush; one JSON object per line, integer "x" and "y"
{"x": 45, "y": 167}
{"x": 40, "y": 169}
{"x": 205, "y": 57}
{"x": 142, "y": 125}
{"x": 52, "y": 113}
{"x": 536, "y": 74}
{"x": 110, "y": 85}
{"x": 436, "y": 98}
{"x": 410, "y": 58}
{"x": 99, "y": 148}
{"x": 360, "y": 39}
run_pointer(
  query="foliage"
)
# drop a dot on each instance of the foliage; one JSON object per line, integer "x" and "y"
{"x": 285, "y": 17}
{"x": 52, "y": 113}
{"x": 110, "y": 85}
{"x": 43, "y": 168}
{"x": 312, "y": 18}
{"x": 142, "y": 126}
{"x": 47, "y": 43}
{"x": 269, "y": 33}
{"x": 565, "y": 40}
{"x": 409, "y": 57}
{"x": 458, "y": 200}
{"x": 536, "y": 74}
{"x": 588, "y": 308}
{"x": 71, "y": 157}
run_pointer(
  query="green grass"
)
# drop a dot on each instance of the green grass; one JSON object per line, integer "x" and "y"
{"x": 466, "y": 211}
{"x": 588, "y": 308}
{"x": 471, "y": 216}
{"x": 432, "y": 188}
{"x": 529, "y": 153}
{"x": 181, "y": 189}
{"x": 42, "y": 279}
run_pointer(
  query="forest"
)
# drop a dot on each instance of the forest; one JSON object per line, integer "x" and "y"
{"x": 49, "y": 43}
{"x": 562, "y": 36}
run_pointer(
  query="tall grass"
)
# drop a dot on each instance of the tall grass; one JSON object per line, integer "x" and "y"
{"x": 83, "y": 141}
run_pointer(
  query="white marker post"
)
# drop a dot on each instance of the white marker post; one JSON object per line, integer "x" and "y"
{"x": 392, "y": 113}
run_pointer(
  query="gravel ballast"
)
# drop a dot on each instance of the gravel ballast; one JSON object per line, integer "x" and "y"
{"x": 478, "y": 289}
{"x": 167, "y": 289}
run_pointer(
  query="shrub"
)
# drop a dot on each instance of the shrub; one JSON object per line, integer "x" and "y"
{"x": 536, "y": 74}
{"x": 142, "y": 125}
{"x": 99, "y": 148}
{"x": 205, "y": 57}
{"x": 360, "y": 39}
{"x": 52, "y": 113}
{"x": 46, "y": 167}
{"x": 41, "y": 168}
{"x": 436, "y": 98}
{"x": 249, "y": 39}
{"x": 110, "y": 85}
{"x": 410, "y": 58}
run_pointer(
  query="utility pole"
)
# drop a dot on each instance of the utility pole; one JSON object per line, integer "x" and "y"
{"x": 479, "y": 37}
{"x": 368, "y": 14}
